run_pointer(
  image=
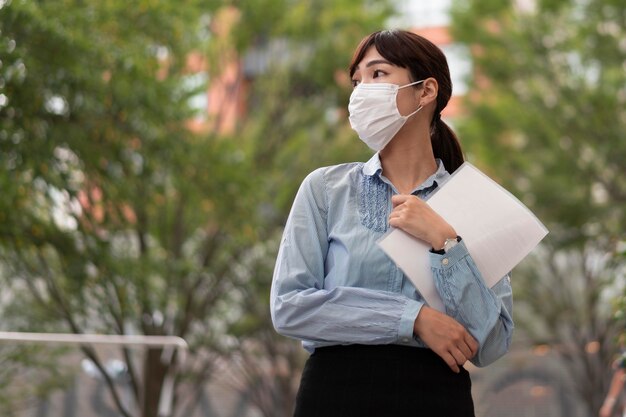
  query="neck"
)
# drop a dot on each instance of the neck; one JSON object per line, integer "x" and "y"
{"x": 408, "y": 160}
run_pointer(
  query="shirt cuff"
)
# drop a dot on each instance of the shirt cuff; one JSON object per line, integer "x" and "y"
{"x": 446, "y": 260}
{"x": 407, "y": 321}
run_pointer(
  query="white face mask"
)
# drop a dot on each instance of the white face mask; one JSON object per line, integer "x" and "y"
{"x": 374, "y": 113}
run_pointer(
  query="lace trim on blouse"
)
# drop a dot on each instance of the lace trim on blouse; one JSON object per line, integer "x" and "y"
{"x": 373, "y": 203}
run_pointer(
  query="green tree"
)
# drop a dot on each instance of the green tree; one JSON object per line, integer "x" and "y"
{"x": 27, "y": 373}
{"x": 117, "y": 219}
{"x": 546, "y": 116}
{"x": 297, "y": 57}
{"x": 112, "y": 220}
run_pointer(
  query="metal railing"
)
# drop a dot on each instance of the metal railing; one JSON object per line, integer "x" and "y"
{"x": 171, "y": 343}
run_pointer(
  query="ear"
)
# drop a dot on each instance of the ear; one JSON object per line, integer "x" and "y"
{"x": 428, "y": 93}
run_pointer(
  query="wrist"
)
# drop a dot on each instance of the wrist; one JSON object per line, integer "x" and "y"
{"x": 438, "y": 242}
{"x": 447, "y": 245}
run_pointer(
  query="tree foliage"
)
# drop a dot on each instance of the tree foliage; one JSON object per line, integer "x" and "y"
{"x": 549, "y": 107}
{"x": 546, "y": 116}
{"x": 297, "y": 61}
{"x": 117, "y": 219}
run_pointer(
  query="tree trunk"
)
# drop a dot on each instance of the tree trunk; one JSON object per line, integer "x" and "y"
{"x": 154, "y": 373}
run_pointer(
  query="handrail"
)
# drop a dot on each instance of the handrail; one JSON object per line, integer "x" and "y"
{"x": 175, "y": 342}
{"x": 99, "y": 339}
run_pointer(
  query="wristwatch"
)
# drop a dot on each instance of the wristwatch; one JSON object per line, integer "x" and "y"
{"x": 448, "y": 244}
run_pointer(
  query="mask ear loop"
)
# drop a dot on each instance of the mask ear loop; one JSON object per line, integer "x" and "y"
{"x": 420, "y": 107}
{"x": 410, "y": 84}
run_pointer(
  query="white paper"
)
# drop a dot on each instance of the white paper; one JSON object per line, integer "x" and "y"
{"x": 498, "y": 230}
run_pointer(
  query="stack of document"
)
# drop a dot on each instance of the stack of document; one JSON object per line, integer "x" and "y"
{"x": 498, "y": 230}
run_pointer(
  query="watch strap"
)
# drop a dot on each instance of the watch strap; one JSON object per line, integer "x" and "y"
{"x": 448, "y": 244}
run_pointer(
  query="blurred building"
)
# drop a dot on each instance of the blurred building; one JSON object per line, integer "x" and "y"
{"x": 431, "y": 19}
{"x": 223, "y": 101}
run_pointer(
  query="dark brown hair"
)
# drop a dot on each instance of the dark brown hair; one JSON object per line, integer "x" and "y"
{"x": 423, "y": 59}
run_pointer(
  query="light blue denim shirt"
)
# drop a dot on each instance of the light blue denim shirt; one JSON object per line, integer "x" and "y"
{"x": 333, "y": 284}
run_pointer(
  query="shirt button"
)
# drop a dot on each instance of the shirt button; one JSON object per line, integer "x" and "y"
{"x": 445, "y": 261}
{"x": 405, "y": 340}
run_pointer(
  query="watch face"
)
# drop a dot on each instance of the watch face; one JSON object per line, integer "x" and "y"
{"x": 450, "y": 243}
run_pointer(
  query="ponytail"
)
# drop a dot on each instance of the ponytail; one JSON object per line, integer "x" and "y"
{"x": 445, "y": 144}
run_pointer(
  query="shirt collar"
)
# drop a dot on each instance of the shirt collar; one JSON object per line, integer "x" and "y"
{"x": 373, "y": 167}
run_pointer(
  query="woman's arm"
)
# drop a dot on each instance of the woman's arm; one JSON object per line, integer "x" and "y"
{"x": 617, "y": 382}
{"x": 303, "y": 309}
{"x": 484, "y": 312}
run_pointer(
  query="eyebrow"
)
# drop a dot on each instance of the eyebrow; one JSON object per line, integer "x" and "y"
{"x": 375, "y": 62}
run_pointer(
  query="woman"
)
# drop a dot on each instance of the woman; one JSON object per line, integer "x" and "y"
{"x": 376, "y": 348}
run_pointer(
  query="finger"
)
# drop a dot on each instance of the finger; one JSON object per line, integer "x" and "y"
{"x": 459, "y": 357}
{"x": 400, "y": 209}
{"x": 468, "y": 345}
{"x": 466, "y": 350}
{"x": 472, "y": 343}
{"x": 451, "y": 361}
{"x": 397, "y": 209}
{"x": 396, "y": 222}
{"x": 398, "y": 199}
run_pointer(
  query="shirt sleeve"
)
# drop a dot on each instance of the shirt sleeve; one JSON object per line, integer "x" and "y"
{"x": 485, "y": 312}
{"x": 300, "y": 306}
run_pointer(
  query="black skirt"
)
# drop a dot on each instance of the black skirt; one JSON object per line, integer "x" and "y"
{"x": 382, "y": 380}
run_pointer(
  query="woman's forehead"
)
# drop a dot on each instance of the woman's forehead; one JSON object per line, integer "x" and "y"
{"x": 372, "y": 56}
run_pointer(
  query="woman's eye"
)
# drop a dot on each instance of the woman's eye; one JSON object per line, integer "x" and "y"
{"x": 355, "y": 83}
{"x": 377, "y": 73}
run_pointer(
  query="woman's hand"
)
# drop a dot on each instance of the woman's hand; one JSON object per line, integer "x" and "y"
{"x": 445, "y": 336}
{"x": 417, "y": 218}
